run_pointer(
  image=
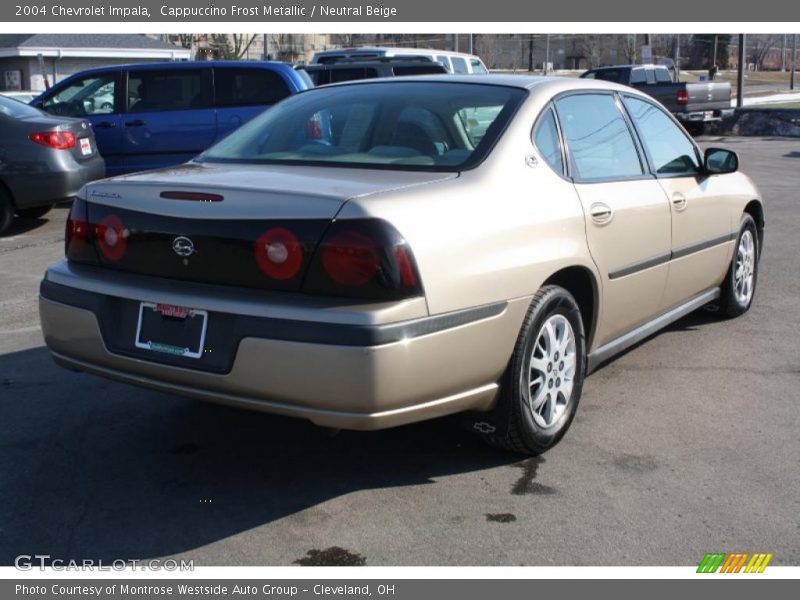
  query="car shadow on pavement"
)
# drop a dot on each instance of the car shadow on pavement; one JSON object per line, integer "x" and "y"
{"x": 95, "y": 469}
{"x": 20, "y": 226}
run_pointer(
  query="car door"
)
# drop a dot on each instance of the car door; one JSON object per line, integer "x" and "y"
{"x": 627, "y": 214}
{"x": 702, "y": 231}
{"x": 97, "y": 98}
{"x": 240, "y": 93}
{"x": 169, "y": 119}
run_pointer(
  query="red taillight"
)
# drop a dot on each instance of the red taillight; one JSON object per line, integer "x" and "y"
{"x": 351, "y": 258}
{"x": 279, "y": 253}
{"x": 77, "y": 232}
{"x": 60, "y": 140}
{"x": 407, "y": 275}
{"x": 683, "y": 97}
{"x": 111, "y": 237}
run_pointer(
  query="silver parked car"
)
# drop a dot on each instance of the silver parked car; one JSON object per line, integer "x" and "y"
{"x": 43, "y": 160}
{"x": 376, "y": 253}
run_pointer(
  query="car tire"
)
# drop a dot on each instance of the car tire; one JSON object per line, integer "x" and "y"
{"x": 34, "y": 213}
{"x": 538, "y": 370}
{"x": 696, "y": 128}
{"x": 739, "y": 286}
{"x": 6, "y": 211}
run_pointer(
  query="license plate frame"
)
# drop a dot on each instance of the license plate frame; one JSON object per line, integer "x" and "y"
{"x": 194, "y": 351}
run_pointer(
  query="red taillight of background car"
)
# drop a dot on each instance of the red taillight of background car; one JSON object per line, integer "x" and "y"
{"x": 351, "y": 258}
{"x": 363, "y": 258}
{"x": 59, "y": 140}
{"x": 683, "y": 97}
{"x": 279, "y": 253}
{"x": 112, "y": 237}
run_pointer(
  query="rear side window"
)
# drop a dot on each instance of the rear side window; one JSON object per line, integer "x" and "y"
{"x": 614, "y": 75}
{"x": 599, "y": 140}
{"x": 174, "y": 89}
{"x": 248, "y": 87}
{"x": 546, "y": 139}
{"x": 671, "y": 152}
{"x": 459, "y": 65}
{"x": 444, "y": 61}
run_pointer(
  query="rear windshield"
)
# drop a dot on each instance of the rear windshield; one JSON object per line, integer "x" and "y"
{"x": 16, "y": 109}
{"x": 430, "y": 126}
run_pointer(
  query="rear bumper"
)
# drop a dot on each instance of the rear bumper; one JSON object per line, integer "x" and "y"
{"x": 55, "y": 182}
{"x": 702, "y": 116}
{"x": 379, "y": 376}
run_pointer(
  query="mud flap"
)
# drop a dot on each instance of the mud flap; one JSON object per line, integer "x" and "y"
{"x": 492, "y": 423}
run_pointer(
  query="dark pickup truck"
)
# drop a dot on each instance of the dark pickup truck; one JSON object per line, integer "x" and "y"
{"x": 692, "y": 103}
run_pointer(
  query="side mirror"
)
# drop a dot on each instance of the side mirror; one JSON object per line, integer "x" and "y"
{"x": 718, "y": 161}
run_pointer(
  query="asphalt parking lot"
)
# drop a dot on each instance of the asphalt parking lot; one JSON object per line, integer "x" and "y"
{"x": 686, "y": 444}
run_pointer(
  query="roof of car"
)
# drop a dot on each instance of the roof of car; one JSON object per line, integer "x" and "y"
{"x": 518, "y": 81}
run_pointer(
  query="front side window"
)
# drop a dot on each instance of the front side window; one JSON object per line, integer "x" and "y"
{"x": 84, "y": 97}
{"x": 248, "y": 87}
{"x": 477, "y": 67}
{"x": 598, "y": 138}
{"x": 404, "y": 125}
{"x": 670, "y": 150}
{"x": 174, "y": 89}
{"x": 547, "y": 141}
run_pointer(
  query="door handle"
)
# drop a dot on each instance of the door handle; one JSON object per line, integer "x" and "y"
{"x": 105, "y": 125}
{"x": 679, "y": 201}
{"x": 136, "y": 123}
{"x": 601, "y": 213}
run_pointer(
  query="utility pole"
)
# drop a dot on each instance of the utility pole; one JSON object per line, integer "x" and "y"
{"x": 546, "y": 54}
{"x": 794, "y": 61}
{"x": 677, "y": 59}
{"x": 740, "y": 82}
{"x": 712, "y": 69}
{"x": 530, "y": 54}
{"x": 783, "y": 54}
{"x": 455, "y": 42}
{"x": 470, "y": 44}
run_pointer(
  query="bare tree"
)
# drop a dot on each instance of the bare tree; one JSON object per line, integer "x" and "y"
{"x": 241, "y": 43}
{"x": 758, "y": 49}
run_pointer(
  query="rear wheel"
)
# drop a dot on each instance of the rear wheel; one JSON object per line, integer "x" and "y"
{"x": 740, "y": 283}
{"x": 543, "y": 383}
{"x": 35, "y": 213}
{"x": 6, "y": 211}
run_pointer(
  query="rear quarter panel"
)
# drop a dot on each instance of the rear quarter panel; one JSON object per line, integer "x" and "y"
{"x": 496, "y": 232}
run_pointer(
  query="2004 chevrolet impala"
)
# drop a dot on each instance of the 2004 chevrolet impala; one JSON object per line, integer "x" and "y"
{"x": 377, "y": 253}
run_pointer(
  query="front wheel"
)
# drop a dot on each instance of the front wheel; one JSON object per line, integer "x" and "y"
{"x": 740, "y": 283}
{"x": 543, "y": 383}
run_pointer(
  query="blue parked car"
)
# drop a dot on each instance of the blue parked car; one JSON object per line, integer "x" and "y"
{"x": 162, "y": 114}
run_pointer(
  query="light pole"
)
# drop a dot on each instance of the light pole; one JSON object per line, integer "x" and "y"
{"x": 546, "y": 54}
{"x": 677, "y": 60}
{"x": 794, "y": 61}
{"x": 740, "y": 82}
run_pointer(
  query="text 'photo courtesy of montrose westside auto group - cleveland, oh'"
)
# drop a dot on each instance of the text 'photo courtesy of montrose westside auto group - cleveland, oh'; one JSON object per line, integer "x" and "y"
{"x": 411, "y": 300}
